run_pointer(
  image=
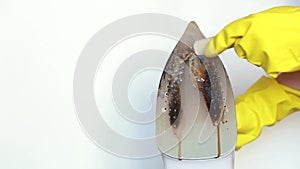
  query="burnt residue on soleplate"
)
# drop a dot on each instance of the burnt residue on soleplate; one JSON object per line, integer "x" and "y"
{"x": 174, "y": 99}
{"x": 171, "y": 82}
{"x": 200, "y": 78}
{"x": 173, "y": 76}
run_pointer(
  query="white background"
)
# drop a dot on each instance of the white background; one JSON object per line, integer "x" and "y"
{"x": 40, "y": 42}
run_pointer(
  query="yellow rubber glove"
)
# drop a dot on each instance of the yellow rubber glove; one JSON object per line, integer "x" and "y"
{"x": 264, "y": 104}
{"x": 270, "y": 39}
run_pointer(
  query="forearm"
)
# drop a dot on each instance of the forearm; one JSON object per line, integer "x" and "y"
{"x": 291, "y": 79}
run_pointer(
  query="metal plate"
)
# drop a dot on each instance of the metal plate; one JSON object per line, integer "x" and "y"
{"x": 195, "y": 107}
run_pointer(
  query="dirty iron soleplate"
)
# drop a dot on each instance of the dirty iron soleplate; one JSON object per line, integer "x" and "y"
{"x": 191, "y": 87}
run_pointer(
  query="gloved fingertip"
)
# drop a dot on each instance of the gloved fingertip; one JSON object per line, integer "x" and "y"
{"x": 210, "y": 50}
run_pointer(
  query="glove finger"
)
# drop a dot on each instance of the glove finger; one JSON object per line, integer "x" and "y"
{"x": 227, "y": 37}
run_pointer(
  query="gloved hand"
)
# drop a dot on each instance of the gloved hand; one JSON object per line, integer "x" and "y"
{"x": 269, "y": 39}
{"x": 264, "y": 104}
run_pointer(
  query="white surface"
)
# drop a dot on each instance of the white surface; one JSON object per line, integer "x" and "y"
{"x": 226, "y": 162}
{"x": 40, "y": 42}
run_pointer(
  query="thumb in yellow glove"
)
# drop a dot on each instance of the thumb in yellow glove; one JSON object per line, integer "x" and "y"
{"x": 265, "y": 103}
{"x": 269, "y": 39}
